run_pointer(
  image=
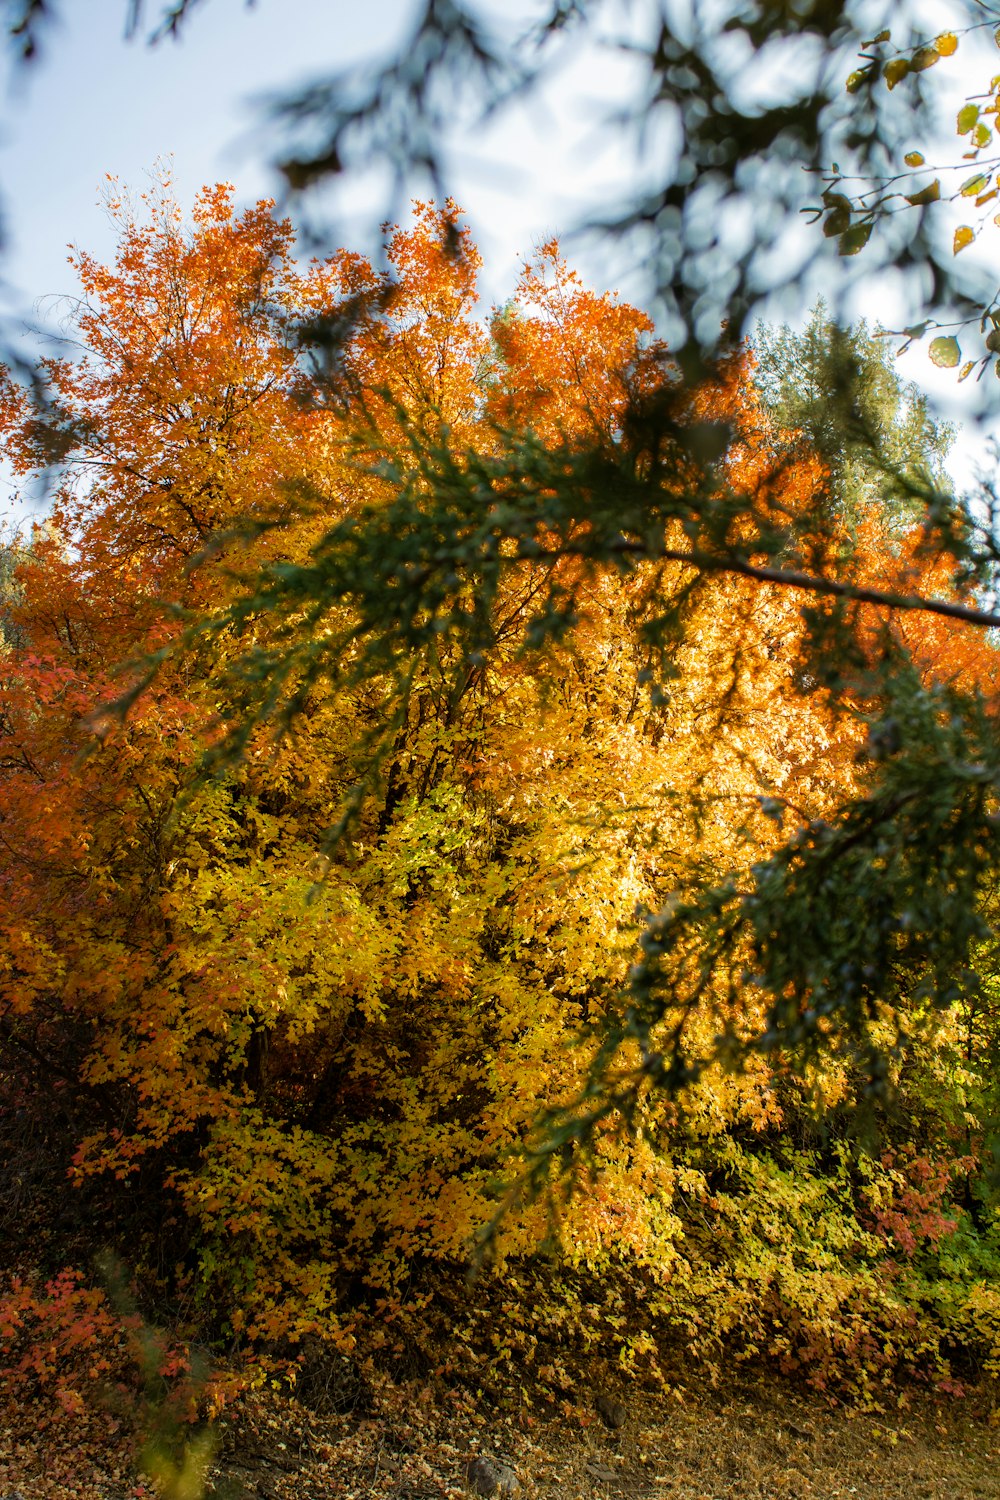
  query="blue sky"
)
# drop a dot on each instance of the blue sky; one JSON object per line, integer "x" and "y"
{"x": 95, "y": 103}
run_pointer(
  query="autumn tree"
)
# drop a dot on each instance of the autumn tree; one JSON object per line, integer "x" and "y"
{"x": 303, "y": 1069}
{"x": 737, "y": 147}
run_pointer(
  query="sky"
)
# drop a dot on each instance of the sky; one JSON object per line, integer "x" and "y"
{"x": 96, "y": 104}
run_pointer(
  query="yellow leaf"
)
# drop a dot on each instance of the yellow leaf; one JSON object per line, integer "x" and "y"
{"x": 929, "y": 194}
{"x": 946, "y": 44}
{"x": 975, "y": 185}
{"x": 914, "y": 159}
{"x": 964, "y": 236}
{"x": 895, "y": 71}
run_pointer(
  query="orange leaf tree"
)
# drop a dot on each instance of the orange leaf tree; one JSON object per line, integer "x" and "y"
{"x": 293, "y": 489}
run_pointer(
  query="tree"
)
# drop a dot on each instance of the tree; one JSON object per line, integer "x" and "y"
{"x": 250, "y": 1034}
{"x": 475, "y": 529}
{"x": 653, "y": 495}
{"x": 839, "y": 389}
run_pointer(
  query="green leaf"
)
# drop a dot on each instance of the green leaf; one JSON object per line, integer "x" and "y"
{"x": 854, "y": 239}
{"x": 968, "y": 115}
{"x": 857, "y": 79}
{"x": 981, "y": 136}
{"x": 896, "y": 70}
{"x": 839, "y": 218}
{"x": 945, "y": 352}
{"x": 914, "y": 159}
{"x": 924, "y": 57}
{"x": 975, "y": 184}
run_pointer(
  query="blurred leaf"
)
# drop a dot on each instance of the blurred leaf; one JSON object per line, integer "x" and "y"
{"x": 963, "y": 236}
{"x": 896, "y": 70}
{"x": 838, "y": 220}
{"x": 854, "y": 239}
{"x": 945, "y": 352}
{"x": 924, "y": 57}
{"x": 929, "y": 194}
{"x": 914, "y": 158}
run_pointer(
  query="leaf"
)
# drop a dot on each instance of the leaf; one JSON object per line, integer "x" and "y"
{"x": 968, "y": 115}
{"x": 857, "y": 79}
{"x": 896, "y": 70}
{"x": 975, "y": 185}
{"x": 966, "y": 370}
{"x": 946, "y": 44}
{"x": 839, "y": 218}
{"x": 964, "y": 236}
{"x": 914, "y": 159}
{"x": 945, "y": 352}
{"x": 993, "y": 341}
{"x": 837, "y": 222}
{"x": 981, "y": 136}
{"x": 929, "y": 194}
{"x": 923, "y": 58}
{"x": 854, "y": 239}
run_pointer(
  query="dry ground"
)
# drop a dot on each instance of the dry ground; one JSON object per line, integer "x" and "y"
{"x": 760, "y": 1441}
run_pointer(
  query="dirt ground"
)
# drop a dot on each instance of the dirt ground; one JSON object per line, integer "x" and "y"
{"x": 759, "y": 1441}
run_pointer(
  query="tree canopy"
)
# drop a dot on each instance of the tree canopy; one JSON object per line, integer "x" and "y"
{"x": 453, "y": 523}
{"x": 609, "y": 842}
